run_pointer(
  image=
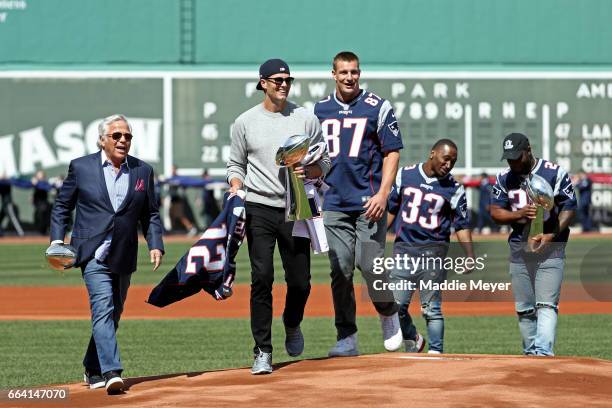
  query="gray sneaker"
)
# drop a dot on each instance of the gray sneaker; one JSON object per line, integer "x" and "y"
{"x": 392, "y": 332}
{"x": 346, "y": 347}
{"x": 294, "y": 341}
{"x": 262, "y": 363}
{"x": 415, "y": 346}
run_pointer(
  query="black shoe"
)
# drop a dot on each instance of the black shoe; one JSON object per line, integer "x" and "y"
{"x": 94, "y": 379}
{"x": 114, "y": 383}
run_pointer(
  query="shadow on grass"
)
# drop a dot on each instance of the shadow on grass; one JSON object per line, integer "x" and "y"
{"x": 129, "y": 382}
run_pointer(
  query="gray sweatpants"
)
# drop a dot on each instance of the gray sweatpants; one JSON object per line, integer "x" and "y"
{"x": 355, "y": 240}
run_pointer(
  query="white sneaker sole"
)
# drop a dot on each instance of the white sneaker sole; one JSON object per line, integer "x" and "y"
{"x": 262, "y": 371}
{"x": 114, "y": 385}
{"x": 97, "y": 385}
{"x": 94, "y": 386}
{"x": 394, "y": 343}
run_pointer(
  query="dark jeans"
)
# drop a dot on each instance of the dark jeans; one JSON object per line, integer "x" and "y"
{"x": 42, "y": 214}
{"x": 585, "y": 218}
{"x": 265, "y": 226}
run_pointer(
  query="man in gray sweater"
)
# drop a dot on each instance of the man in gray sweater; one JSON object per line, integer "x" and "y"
{"x": 256, "y": 136}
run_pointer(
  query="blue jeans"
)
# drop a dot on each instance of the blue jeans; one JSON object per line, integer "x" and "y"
{"x": 107, "y": 293}
{"x": 431, "y": 303}
{"x": 536, "y": 288}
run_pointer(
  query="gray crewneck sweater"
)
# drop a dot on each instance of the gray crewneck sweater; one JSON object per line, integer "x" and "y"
{"x": 256, "y": 136}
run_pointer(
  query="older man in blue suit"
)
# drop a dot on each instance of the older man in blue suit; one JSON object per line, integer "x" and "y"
{"x": 112, "y": 193}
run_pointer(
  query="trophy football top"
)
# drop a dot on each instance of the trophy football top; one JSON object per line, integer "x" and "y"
{"x": 293, "y": 150}
{"x": 540, "y": 191}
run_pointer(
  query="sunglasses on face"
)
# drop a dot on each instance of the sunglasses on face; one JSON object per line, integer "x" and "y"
{"x": 279, "y": 81}
{"x": 117, "y": 135}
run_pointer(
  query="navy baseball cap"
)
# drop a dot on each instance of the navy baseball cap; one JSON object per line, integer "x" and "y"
{"x": 514, "y": 145}
{"x": 271, "y": 67}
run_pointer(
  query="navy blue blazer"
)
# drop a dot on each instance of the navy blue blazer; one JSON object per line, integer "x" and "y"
{"x": 85, "y": 189}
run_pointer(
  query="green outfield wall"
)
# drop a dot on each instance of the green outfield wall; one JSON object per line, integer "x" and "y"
{"x": 392, "y": 32}
{"x": 182, "y": 71}
{"x": 185, "y": 119}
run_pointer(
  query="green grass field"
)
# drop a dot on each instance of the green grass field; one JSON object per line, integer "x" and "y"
{"x": 25, "y": 265}
{"x": 50, "y": 352}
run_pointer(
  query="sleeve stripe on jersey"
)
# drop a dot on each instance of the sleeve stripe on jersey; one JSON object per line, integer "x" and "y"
{"x": 561, "y": 173}
{"x": 382, "y": 114}
{"x": 457, "y": 196}
{"x": 500, "y": 185}
{"x": 398, "y": 179}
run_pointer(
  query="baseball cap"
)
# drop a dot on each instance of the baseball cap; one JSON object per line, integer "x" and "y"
{"x": 514, "y": 145}
{"x": 271, "y": 67}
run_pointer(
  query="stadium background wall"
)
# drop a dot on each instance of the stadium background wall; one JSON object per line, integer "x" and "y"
{"x": 395, "y": 32}
{"x": 183, "y": 70}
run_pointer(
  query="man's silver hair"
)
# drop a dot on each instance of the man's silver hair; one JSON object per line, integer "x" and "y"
{"x": 103, "y": 126}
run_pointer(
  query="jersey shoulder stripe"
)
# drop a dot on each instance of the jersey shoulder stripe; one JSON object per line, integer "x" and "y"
{"x": 324, "y": 100}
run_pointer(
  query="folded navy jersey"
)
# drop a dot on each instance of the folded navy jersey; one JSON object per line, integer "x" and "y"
{"x": 209, "y": 263}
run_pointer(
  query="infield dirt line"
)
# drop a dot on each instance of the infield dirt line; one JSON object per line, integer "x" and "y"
{"x": 71, "y": 303}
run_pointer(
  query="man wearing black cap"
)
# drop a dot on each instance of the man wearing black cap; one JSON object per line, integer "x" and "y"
{"x": 536, "y": 275}
{"x": 256, "y": 136}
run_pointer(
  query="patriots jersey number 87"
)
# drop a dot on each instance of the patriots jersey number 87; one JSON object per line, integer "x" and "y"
{"x": 357, "y": 134}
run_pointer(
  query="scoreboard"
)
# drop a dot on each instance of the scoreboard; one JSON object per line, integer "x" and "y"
{"x": 184, "y": 118}
{"x": 567, "y": 119}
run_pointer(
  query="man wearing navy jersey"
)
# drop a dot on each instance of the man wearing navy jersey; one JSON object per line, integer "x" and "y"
{"x": 429, "y": 202}
{"x": 536, "y": 275}
{"x": 364, "y": 141}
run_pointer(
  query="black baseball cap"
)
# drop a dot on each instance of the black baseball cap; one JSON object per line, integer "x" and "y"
{"x": 271, "y": 67}
{"x": 514, "y": 145}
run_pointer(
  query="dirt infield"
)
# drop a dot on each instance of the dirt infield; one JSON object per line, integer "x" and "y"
{"x": 391, "y": 379}
{"x": 56, "y": 303}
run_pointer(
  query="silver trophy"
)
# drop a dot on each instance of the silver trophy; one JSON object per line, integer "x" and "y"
{"x": 60, "y": 256}
{"x": 289, "y": 155}
{"x": 541, "y": 195}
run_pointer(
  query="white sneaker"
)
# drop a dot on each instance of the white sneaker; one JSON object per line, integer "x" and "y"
{"x": 262, "y": 363}
{"x": 415, "y": 346}
{"x": 346, "y": 347}
{"x": 392, "y": 332}
{"x": 434, "y": 352}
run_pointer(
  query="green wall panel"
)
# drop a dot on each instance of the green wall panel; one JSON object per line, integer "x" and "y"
{"x": 91, "y": 31}
{"x": 406, "y": 32}
{"x": 392, "y": 32}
